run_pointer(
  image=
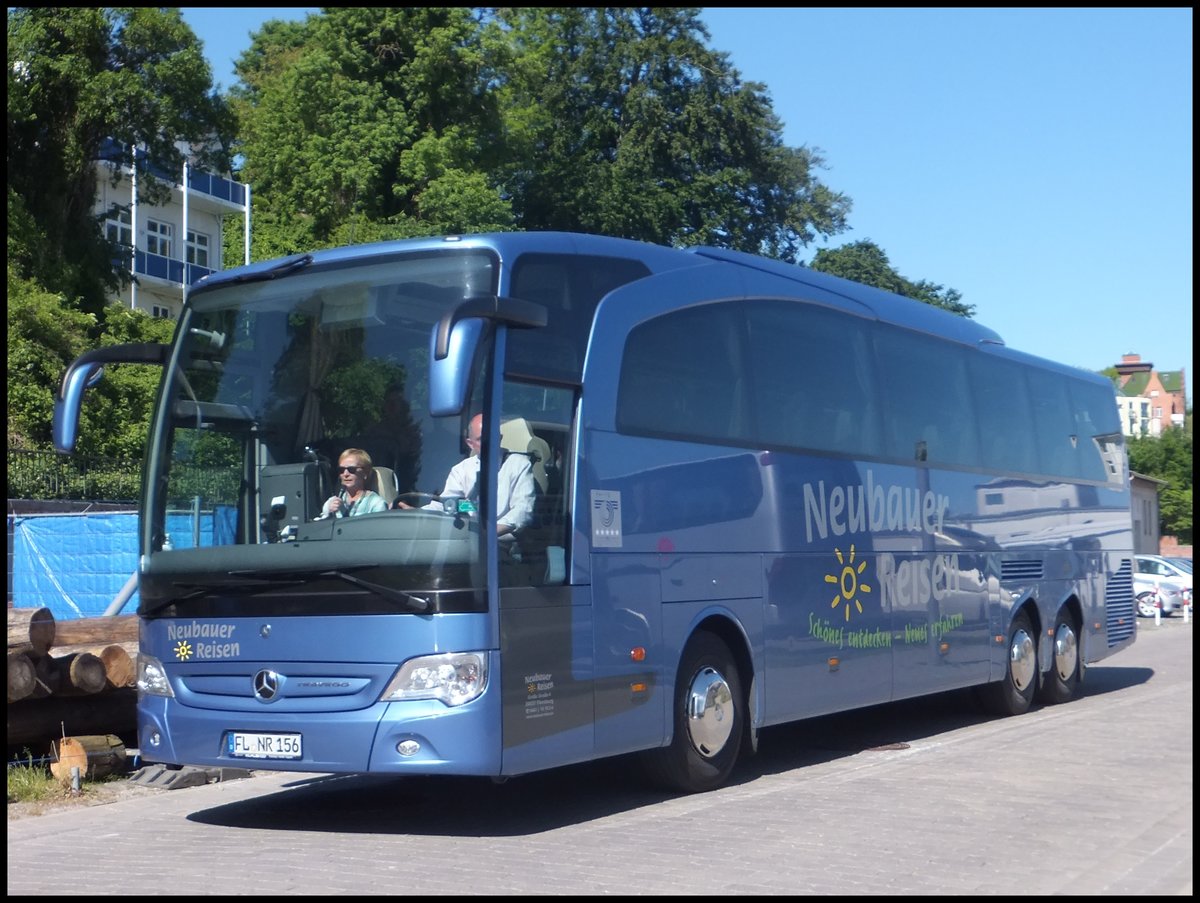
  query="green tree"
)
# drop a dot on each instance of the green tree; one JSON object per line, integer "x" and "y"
{"x": 44, "y": 336}
{"x": 865, "y": 262}
{"x": 76, "y": 78}
{"x": 622, "y": 121}
{"x": 369, "y": 123}
{"x": 117, "y": 412}
{"x": 1168, "y": 457}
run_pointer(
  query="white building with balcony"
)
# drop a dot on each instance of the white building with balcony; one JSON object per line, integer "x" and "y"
{"x": 171, "y": 246}
{"x": 1137, "y": 416}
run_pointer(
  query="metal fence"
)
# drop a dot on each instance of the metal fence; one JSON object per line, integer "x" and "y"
{"x": 46, "y": 475}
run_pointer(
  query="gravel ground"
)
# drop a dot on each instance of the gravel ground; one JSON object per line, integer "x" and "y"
{"x": 92, "y": 795}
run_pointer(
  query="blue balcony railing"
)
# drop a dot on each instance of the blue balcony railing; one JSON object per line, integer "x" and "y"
{"x": 198, "y": 180}
{"x": 159, "y": 267}
{"x": 216, "y": 187}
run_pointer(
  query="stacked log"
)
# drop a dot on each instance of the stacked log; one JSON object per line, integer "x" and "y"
{"x": 94, "y": 757}
{"x": 69, "y": 677}
{"x": 30, "y": 630}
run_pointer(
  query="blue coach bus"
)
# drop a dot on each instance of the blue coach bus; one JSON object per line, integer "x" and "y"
{"x": 758, "y": 494}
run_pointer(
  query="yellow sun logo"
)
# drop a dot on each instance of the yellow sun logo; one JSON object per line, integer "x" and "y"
{"x": 183, "y": 650}
{"x": 848, "y": 583}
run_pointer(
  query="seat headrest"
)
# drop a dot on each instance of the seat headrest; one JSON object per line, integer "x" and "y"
{"x": 515, "y": 435}
{"x": 384, "y": 480}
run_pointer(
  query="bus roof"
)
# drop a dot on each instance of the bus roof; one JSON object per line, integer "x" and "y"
{"x": 885, "y": 306}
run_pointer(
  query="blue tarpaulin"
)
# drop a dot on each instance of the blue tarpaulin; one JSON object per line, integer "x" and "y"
{"x": 76, "y": 565}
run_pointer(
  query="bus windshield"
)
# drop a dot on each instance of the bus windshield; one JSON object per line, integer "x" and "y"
{"x": 272, "y": 384}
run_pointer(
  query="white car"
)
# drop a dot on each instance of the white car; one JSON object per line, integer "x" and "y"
{"x": 1156, "y": 568}
{"x": 1167, "y": 596}
{"x": 1184, "y": 564}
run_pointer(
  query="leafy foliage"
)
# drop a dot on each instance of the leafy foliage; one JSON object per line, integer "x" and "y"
{"x": 1168, "y": 457}
{"x": 622, "y": 121}
{"x": 366, "y": 123}
{"x": 379, "y": 123}
{"x": 866, "y": 262}
{"x": 44, "y": 336}
{"x": 369, "y": 124}
{"x": 76, "y": 78}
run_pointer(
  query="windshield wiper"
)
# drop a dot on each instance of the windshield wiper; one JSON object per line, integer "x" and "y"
{"x": 282, "y": 268}
{"x": 246, "y": 585}
{"x": 240, "y": 587}
{"x": 410, "y": 601}
{"x": 233, "y": 587}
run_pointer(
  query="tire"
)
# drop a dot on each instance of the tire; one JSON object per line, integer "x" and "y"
{"x": 709, "y": 712}
{"x": 1062, "y": 681}
{"x": 1013, "y": 695}
{"x": 1144, "y": 605}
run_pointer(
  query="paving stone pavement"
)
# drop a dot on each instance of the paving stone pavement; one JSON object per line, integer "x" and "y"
{"x": 1093, "y": 797}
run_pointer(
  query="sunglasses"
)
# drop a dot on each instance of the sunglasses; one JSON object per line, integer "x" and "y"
{"x": 344, "y": 469}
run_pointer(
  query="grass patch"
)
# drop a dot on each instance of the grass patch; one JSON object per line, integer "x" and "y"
{"x": 30, "y": 781}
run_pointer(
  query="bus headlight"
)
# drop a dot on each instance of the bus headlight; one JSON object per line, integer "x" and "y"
{"x": 152, "y": 676}
{"x": 453, "y": 678}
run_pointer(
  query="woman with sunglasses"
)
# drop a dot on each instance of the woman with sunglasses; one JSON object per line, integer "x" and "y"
{"x": 354, "y": 498}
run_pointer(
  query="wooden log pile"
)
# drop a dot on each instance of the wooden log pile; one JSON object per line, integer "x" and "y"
{"x": 93, "y": 757}
{"x": 69, "y": 679}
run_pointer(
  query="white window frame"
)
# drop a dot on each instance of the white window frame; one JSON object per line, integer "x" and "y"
{"x": 118, "y": 227}
{"x": 159, "y": 237}
{"x": 197, "y": 248}
{"x": 162, "y": 313}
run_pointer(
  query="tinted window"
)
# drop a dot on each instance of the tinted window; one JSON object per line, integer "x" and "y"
{"x": 1097, "y": 424}
{"x": 928, "y": 414}
{"x": 680, "y": 376}
{"x": 1004, "y": 413}
{"x": 569, "y": 286}
{"x": 811, "y": 378}
{"x": 1054, "y": 425}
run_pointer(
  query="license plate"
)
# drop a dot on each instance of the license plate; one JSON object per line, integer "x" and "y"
{"x": 263, "y": 746}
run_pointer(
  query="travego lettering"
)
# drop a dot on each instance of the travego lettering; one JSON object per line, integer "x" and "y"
{"x": 871, "y": 507}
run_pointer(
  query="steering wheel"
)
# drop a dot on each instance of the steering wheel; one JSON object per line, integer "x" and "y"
{"x": 415, "y": 499}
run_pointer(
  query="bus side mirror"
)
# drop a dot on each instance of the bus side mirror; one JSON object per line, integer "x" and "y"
{"x": 67, "y": 405}
{"x": 85, "y": 373}
{"x": 455, "y": 340}
{"x": 450, "y": 375}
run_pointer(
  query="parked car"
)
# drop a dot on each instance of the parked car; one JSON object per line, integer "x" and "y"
{"x": 1183, "y": 563}
{"x": 1156, "y": 568}
{"x": 1163, "y": 595}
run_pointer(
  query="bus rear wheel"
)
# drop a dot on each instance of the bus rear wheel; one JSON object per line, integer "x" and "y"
{"x": 709, "y": 709}
{"x": 1014, "y": 694}
{"x": 1066, "y": 671}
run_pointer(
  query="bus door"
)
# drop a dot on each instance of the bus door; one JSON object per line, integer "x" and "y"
{"x": 545, "y": 625}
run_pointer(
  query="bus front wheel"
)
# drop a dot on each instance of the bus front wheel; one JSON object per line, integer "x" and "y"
{"x": 708, "y": 709}
{"x": 1013, "y": 695}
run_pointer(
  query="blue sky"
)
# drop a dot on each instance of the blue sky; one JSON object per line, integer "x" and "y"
{"x": 1039, "y": 161}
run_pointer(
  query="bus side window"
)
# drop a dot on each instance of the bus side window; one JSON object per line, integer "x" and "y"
{"x": 679, "y": 377}
{"x": 928, "y": 412}
{"x": 812, "y": 377}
